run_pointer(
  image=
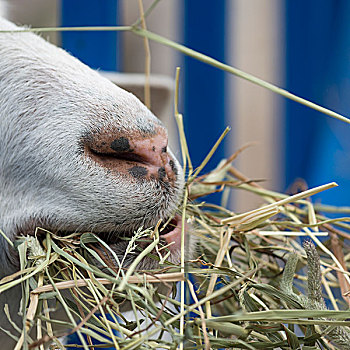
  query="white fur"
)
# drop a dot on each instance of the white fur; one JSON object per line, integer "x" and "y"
{"x": 48, "y": 102}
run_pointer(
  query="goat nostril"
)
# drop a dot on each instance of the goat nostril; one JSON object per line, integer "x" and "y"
{"x": 105, "y": 156}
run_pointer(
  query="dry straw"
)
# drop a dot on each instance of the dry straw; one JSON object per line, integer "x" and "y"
{"x": 253, "y": 285}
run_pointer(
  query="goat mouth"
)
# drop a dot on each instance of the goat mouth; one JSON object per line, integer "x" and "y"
{"x": 169, "y": 233}
{"x": 168, "y": 247}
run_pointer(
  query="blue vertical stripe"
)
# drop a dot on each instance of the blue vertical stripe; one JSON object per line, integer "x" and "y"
{"x": 96, "y": 49}
{"x": 204, "y": 86}
{"x": 318, "y": 68}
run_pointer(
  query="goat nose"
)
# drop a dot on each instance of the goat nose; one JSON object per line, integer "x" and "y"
{"x": 141, "y": 156}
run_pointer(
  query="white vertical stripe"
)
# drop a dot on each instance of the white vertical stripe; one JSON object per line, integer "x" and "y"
{"x": 256, "y": 47}
{"x": 164, "y": 20}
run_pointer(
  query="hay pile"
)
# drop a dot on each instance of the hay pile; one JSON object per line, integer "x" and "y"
{"x": 241, "y": 290}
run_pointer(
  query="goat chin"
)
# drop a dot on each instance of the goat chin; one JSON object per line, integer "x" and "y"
{"x": 77, "y": 153}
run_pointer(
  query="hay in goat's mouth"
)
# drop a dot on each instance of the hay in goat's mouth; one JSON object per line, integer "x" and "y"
{"x": 164, "y": 228}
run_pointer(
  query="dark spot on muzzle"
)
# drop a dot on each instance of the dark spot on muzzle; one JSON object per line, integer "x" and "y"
{"x": 138, "y": 172}
{"x": 121, "y": 145}
{"x": 161, "y": 173}
{"x": 173, "y": 166}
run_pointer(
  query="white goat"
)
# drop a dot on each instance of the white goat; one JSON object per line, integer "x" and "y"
{"x": 77, "y": 153}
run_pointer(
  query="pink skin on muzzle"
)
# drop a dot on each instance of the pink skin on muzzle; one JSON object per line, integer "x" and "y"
{"x": 173, "y": 238}
{"x": 138, "y": 155}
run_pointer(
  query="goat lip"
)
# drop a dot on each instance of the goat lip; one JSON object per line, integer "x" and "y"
{"x": 173, "y": 238}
